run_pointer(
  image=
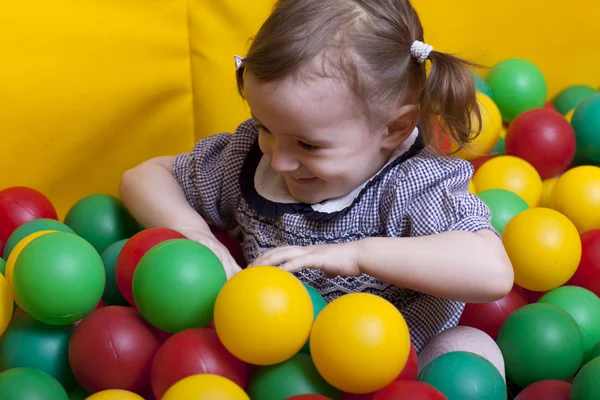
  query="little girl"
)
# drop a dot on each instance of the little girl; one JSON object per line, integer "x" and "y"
{"x": 337, "y": 177}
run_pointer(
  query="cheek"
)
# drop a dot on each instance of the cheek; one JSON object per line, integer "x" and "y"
{"x": 265, "y": 145}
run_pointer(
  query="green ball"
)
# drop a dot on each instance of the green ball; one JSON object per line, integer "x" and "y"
{"x": 586, "y": 124}
{"x": 481, "y": 85}
{"x": 176, "y": 283}
{"x": 30, "y": 384}
{"x": 499, "y": 148}
{"x": 503, "y": 204}
{"x": 462, "y": 375}
{"x": 517, "y": 85}
{"x": 584, "y": 306}
{"x": 2, "y": 266}
{"x": 586, "y": 385}
{"x": 58, "y": 278}
{"x": 297, "y": 375}
{"x": 595, "y": 352}
{"x": 112, "y": 295}
{"x": 540, "y": 341}
{"x": 102, "y": 220}
{"x": 33, "y": 344}
{"x": 570, "y": 97}
{"x": 30, "y": 227}
{"x": 318, "y": 303}
{"x": 79, "y": 394}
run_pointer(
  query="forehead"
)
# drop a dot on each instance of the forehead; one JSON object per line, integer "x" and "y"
{"x": 312, "y": 104}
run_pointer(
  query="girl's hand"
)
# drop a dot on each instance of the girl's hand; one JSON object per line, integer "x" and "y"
{"x": 333, "y": 259}
{"x": 229, "y": 264}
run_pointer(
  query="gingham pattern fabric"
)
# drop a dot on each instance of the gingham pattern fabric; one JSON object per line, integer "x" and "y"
{"x": 424, "y": 195}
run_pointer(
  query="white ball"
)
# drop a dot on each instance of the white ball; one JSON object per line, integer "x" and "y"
{"x": 463, "y": 338}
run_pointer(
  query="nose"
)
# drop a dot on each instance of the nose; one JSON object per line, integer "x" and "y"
{"x": 283, "y": 161}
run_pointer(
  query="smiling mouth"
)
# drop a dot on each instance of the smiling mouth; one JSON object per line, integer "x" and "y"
{"x": 303, "y": 180}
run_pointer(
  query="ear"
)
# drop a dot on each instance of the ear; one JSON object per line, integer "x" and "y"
{"x": 401, "y": 126}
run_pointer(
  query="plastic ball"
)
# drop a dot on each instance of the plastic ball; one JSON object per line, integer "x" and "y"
{"x": 115, "y": 394}
{"x": 576, "y": 194}
{"x": 490, "y": 130}
{"x": 263, "y": 315}
{"x": 539, "y": 342}
{"x": 472, "y": 188}
{"x": 517, "y": 85}
{"x": 19, "y": 205}
{"x": 587, "y": 274}
{"x": 510, "y": 173}
{"x": 503, "y": 204}
{"x": 294, "y": 376}
{"x": 481, "y": 85}
{"x": 413, "y": 390}
{"x": 360, "y": 343}
{"x": 584, "y": 307}
{"x": 176, "y": 283}
{"x": 102, "y": 220}
{"x": 33, "y": 344}
{"x": 308, "y": 397}
{"x": 133, "y": 251}
{"x": 479, "y": 161}
{"x": 14, "y": 254}
{"x": 205, "y": 387}
{"x": 546, "y": 390}
{"x": 6, "y": 304}
{"x": 58, "y": 278}
{"x": 570, "y": 97}
{"x": 544, "y": 248}
{"x": 31, "y": 384}
{"x": 543, "y": 138}
{"x": 191, "y": 352}
{"x": 499, "y": 148}
{"x": 586, "y": 385}
{"x": 318, "y": 303}
{"x": 112, "y": 295}
{"x": 464, "y": 375}
{"x": 2, "y": 266}
{"x": 489, "y": 317}
{"x": 586, "y": 123}
{"x": 113, "y": 348}
{"x": 569, "y": 115}
{"x": 547, "y": 187}
{"x": 42, "y": 224}
{"x": 462, "y": 338}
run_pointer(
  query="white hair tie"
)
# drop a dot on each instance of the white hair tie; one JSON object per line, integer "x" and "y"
{"x": 420, "y": 51}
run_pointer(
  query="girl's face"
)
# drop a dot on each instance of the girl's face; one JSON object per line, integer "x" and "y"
{"x": 314, "y": 136}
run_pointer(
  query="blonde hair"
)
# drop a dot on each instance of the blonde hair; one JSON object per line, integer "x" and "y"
{"x": 366, "y": 43}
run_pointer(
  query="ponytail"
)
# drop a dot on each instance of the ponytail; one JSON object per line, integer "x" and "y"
{"x": 449, "y": 103}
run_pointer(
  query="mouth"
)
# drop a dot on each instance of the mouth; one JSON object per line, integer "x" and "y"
{"x": 303, "y": 180}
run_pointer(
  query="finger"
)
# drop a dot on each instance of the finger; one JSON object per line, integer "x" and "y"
{"x": 279, "y": 256}
{"x": 307, "y": 260}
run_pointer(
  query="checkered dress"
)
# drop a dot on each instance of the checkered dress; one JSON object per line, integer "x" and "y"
{"x": 417, "y": 194}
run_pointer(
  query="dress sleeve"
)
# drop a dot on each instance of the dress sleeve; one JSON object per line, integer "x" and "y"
{"x": 209, "y": 174}
{"x": 432, "y": 197}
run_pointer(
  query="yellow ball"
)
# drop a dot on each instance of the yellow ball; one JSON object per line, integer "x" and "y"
{"x": 544, "y": 248}
{"x": 472, "y": 189}
{"x": 569, "y": 115}
{"x": 513, "y": 174}
{"x": 6, "y": 304}
{"x": 503, "y": 132}
{"x": 12, "y": 258}
{"x": 359, "y": 343}
{"x": 205, "y": 387}
{"x": 114, "y": 394}
{"x": 490, "y": 130}
{"x": 547, "y": 186}
{"x": 263, "y": 315}
{"x": 576, "y": 194}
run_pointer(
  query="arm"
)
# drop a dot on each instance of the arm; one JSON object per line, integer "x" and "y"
{"x": 458, "y": 265}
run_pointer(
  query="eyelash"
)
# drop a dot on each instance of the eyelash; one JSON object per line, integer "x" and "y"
{"x": 305, "y": 146}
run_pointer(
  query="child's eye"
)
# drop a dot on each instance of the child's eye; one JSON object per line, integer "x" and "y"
{"x": 307, "y": 147}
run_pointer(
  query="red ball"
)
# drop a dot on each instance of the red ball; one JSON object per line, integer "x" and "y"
{"x": 308, "y": 397}
{"x": 478, "y": 162}
{"x": 19, "y": 205}
{"x": 489, "y": 317}
{"x": 409, "y": 390}
{"x": 410, "y": 372}
{"x": 549, "y": 106}
{"x": 232, "y": 244}
{"x": 194, "y": 351}
{"x": 587, "y": 274}
{"x": 113, "y": 348}
{"x": 546, "y": 390}
{"x": 133, "y": 251}
{"x": 544, "y": 138}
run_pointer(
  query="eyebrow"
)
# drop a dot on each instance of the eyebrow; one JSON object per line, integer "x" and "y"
{"x": 319, "y": 143}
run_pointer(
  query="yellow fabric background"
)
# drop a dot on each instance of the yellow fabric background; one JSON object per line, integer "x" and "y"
{"x": 89, "y": 89}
